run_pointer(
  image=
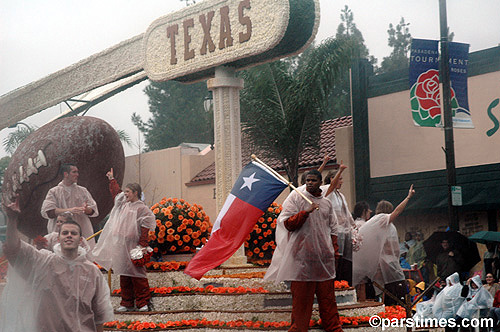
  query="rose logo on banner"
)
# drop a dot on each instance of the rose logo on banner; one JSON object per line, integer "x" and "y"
{"x": 425, "y": 99}
{"x": 425, "y": 94}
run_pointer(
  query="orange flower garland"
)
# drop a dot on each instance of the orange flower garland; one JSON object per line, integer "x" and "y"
{"x": 202, "y": 290}
{"x": 180, "y": 227}
{"x": 390, "y": 312}
{"x": 260, "y": 245}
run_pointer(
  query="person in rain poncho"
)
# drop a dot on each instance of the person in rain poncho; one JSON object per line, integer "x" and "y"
{"x": 67, "y": 196}
{"x": 53, "y": 238}
{"x": 448, "y": 300}
{"x": 345, "y": 222}
{"x": 378, "y": 257}
{"x": 128, "y": 226}
{"x": 60, "y": 291}
{"x": 476, "y": 298}
{"x": 361, "y": 213}
{"x": 416, "y": 254}
{"x": 306, "y": 254}
{"x": 424, "y": 306}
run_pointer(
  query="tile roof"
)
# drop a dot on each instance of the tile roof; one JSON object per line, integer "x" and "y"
{"x": 310, "y": 158}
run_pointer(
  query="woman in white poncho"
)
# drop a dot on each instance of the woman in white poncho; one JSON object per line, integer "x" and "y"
{"x": 448, "y": 300}
{"x": 378, "y": 257}
{"x": 477, "y": 298}
{"x": 345, "y": 222}
{"x": 128, "y": 226}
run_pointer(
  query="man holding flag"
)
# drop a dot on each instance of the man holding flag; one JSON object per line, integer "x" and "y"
{"x": 254, "y": 190}
{"x": 306, "y": 254}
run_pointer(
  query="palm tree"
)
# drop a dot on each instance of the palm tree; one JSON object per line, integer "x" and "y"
{"x": 283, "y": 102}
{"x": 13, "y": 139}
{"x": 124, "y": 137}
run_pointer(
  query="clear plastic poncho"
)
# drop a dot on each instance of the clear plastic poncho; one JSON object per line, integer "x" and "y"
{"x": 53, "y": 239}
{"x": 121, "y": 234}
{"x": 448, "y": 300}
{"x": 378, "y": 257}
{"x": 345, "y": 223}
{"x": 306, "y": 254}
{"x": 480, "y": 298}
{"x": 46, "y": 292}
{"x": 65, "y": 197}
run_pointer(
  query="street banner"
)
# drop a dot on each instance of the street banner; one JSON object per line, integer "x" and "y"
{"x": 425, "y": 96}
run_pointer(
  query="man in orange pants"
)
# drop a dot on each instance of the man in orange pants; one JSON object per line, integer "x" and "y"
{"x": 306, "y": 254}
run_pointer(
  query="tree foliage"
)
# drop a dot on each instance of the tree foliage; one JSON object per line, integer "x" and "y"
{"x": 13, "y": 139}
{"x": 400, "y": 41}
{"x": 4, "y": 162}
{"x": 284, "y": 102}
{"x": 339, "y": 99}
{"x": 178, "y": 115}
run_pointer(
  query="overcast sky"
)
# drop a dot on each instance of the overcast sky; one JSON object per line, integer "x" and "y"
{"x": 38, "y": 38}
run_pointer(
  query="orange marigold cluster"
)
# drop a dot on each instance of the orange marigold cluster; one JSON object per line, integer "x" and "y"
{"x": 390, "y": 312}
{"x": 260, "y": 244}
{"x": 202, "y": 290}
{"x": 166, "y": 266}
{"x": 180, "y": 227}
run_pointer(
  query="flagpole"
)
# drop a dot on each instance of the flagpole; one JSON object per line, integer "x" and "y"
{"x": 279, "y": 176}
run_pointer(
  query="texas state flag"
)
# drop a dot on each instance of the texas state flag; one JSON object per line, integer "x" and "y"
{"x": 255, "y": 189}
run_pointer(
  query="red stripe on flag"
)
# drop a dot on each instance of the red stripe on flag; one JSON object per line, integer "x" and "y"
{"x": 236, "y": 224}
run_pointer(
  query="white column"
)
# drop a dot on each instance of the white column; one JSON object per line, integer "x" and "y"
{"x": 227, "y": 139}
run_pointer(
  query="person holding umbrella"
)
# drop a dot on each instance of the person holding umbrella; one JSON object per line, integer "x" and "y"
{"x": 449, "y": 260}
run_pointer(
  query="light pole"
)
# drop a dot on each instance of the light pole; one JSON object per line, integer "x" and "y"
{"x": 444, "y": 72}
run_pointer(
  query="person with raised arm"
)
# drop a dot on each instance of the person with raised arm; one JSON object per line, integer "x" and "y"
{"x": 378, "y": 257}
{"x": 57, "y": 291}
{"x": 127, "y": 228}
{"x": 306, "y": 255}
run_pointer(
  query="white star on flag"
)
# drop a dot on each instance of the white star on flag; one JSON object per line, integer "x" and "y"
{"x": 248, "y": 180}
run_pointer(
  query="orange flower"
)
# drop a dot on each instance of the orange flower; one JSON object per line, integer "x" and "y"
{"x": 186, "y": 238}
{"x": 189, "y": 231}
{"x": 155, "y": 211}
{"x": 199, "y": 215}
{"x": 191, "y": 214}
{"x": 180, "y": 217}
{"x": 256, "y": 250}
{"x": 170, "y": 216}
{"x": 270, "y": 219}
{"x": 196, "y": 234}
{"x": 264, "y": 226}
{"x": 158, "y": 222}
{"x": 170, "y": 231}
{"x": 203, "y": 240}
{"x": 177, "y": 237}
{"x": 187, "y": 248}
{"x": 170, "y": 238}
{"x": 161, "y": 240}
{"x": 180, "y": 243}
{"x": 190, "y": 221}
{"x": 196, "y": 242}
{"x": 162, "y": 228}
{"x": 175, "y": 200}
{"x": 168, "y": 224}
{"x": 173, "y": 248}
{"x": 197, "y": 223}
{"x": 161, "y": 234}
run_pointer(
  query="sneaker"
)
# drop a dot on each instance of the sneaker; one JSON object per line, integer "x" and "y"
{"x": 123, "y": 309}
{"x": 143, "y": 309}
